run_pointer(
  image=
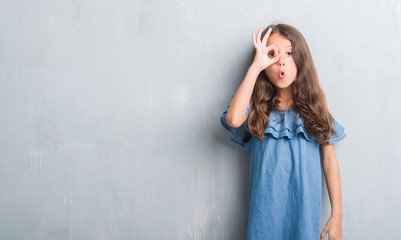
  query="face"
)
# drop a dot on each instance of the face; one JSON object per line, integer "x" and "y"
{"x": 283, "y": 72}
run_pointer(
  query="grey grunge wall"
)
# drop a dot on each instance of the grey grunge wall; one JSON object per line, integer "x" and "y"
{"x": 110, "y": 115}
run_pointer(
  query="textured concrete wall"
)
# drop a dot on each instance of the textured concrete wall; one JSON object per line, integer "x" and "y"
{"x": 110, "y": 115}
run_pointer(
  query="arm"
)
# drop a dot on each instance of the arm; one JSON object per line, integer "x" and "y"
{"x": 236, "y": 112}
{"x": 332, "y": 174}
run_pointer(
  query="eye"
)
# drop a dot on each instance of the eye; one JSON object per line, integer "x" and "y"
{"x": 289, "y": 53}
{"x": 271, "y": 54}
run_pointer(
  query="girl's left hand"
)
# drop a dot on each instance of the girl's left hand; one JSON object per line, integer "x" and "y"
{"x": 334, "y": 228}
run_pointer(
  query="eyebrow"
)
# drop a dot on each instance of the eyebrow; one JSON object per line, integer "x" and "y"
{"x": 289, "y": 46}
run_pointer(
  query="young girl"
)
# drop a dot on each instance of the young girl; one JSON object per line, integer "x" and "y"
{"x": 280, "y": 115}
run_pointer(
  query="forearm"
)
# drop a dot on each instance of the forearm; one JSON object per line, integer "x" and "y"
{"x": 332, "y": 174}
{"x": 239, "y": 103}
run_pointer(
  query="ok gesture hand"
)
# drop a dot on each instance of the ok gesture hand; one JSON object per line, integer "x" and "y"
{"x": 262, "y": 59}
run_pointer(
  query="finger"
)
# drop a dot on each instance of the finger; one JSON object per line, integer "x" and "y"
{"x": 277, "y": 54}
{"x": 264, "y": 41}
{"x": 253, "y": 40}
{"x": 275, "y": 48}
{"x": 323, "y": 234}
{"x": 272, "y": 47}
{"x": 259, "y": 35}
{"x": 277, "y": 57}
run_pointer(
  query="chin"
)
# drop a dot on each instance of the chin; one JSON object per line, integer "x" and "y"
{"x": 282, "y": 85}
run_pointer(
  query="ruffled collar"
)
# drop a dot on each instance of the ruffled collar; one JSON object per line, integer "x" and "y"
{"x": 284, "y": 126}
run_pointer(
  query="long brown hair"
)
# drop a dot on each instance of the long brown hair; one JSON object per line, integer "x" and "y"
{"x": 309, "y": 100}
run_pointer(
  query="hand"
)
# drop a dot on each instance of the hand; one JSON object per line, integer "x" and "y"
{"x": 262, "y": 59}
{"x": 334, "y": 228}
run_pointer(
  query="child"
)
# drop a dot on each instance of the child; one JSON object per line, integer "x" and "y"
{"x": 280, "y": 115}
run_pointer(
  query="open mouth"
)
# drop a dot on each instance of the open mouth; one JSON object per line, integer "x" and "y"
{"x": 281, "y": 75}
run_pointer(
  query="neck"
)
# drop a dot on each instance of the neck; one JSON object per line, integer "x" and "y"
{"x": 285, "y": 97}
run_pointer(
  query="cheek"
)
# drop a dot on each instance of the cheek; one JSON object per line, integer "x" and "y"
{"x": 269, "y": 71}
{"x": 294, "y": 67}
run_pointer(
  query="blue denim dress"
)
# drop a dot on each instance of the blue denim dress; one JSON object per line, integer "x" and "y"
{"x": 284, "y": 177}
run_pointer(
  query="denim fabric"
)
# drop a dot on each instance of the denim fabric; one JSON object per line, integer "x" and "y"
{"x": 284, "y": 178}
{"x": 238, "y": 135}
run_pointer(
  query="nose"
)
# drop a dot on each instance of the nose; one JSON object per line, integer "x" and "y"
{"x": 280, "y": 61}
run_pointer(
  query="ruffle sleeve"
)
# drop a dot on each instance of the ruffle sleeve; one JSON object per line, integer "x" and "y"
{"x": 290, "y": 129}
{"x": 279, "y": 127}
{"x": 340, "y": 133}
{"x": 240, "y": 135}
{"x": 286, "y": 127}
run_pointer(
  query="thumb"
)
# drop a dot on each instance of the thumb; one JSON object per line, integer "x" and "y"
{"x": 323, "y": 234}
